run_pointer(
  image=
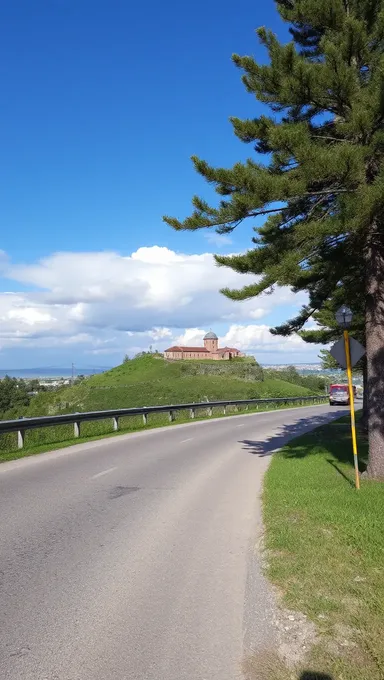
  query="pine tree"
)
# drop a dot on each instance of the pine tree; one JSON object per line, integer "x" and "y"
{"x": 321, "y": 184}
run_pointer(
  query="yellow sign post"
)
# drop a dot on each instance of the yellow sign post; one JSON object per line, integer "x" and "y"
{"x": 352, "y": 408}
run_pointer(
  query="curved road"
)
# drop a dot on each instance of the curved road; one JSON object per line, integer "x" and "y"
{"x": 133, "y": 557}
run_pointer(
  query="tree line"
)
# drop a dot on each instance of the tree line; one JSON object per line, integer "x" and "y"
{"x": 16, "y": 394}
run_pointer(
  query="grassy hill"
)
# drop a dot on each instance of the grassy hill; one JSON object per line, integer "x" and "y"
{"x": 146, "y": 381}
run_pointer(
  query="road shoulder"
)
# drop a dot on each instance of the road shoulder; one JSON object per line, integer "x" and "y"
{"x": 324, "y": 554}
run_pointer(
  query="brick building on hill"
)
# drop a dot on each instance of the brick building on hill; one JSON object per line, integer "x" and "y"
{"x": 209, "y": 351}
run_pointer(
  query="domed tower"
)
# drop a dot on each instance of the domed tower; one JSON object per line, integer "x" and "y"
{"x": 211, "y": 342}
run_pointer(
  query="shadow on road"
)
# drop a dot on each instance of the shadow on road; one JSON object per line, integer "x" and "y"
{"x": 312, "y": 675}
{"x": 285, "y": 433}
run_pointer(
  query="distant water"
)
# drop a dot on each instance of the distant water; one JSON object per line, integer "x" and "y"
{"x": 50, "y": 372}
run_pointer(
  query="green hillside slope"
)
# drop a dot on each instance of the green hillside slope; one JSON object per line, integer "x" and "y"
{"x": 146, "y": 381}
{"x": 149, "y": 381}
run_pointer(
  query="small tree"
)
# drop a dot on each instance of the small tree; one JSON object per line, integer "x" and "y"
{"x": 13, "y": 394}
{"x": 79, "y": 379}
{"x": 327, "y": 360}
{"x": 321, "y": 186}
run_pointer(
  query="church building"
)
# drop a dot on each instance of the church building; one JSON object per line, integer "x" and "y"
{"x": 210, "y": 350}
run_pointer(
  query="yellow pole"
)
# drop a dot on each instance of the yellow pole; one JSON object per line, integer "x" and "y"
{"x": 352, "y": 408}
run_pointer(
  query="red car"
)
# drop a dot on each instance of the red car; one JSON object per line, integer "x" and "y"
{"x": 339, "y": 394}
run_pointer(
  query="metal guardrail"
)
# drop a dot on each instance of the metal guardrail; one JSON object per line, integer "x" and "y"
{"x": 23, "y": 424}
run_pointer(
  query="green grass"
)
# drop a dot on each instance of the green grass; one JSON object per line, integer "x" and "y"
{"x": 325, "y": 550}
{"x": 147, "y": 381}
{"x": 62, "y": 436}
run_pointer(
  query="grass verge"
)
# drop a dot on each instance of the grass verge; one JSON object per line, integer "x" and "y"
{"x": 325, "y": 551}
{"x": 62, "y": 434}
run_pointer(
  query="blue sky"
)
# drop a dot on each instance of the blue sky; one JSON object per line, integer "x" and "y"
{"x": 103, "y": 104}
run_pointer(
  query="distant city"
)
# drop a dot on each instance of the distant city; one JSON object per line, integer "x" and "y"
{"x": 299, "y": 367}
{"x": 51, "y": 372}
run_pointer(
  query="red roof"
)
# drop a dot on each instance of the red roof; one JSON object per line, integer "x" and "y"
{"x": 186, "y": 349}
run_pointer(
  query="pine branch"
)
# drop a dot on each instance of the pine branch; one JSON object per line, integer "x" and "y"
{"x": 293, "y": 325}
{"x": 333, "y": 139}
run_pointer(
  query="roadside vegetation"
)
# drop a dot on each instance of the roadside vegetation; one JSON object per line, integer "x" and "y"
{"x": 325, "y": 551}
{"x": 147, "y": 380}
{"x": 62, "y": 436}
{"x": 16, "y": 395}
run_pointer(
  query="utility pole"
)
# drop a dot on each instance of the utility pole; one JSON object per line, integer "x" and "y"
{"x": 73, "y": 373}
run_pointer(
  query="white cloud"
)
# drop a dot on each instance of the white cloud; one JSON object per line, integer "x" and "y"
{"x": 257, "y": 313}
{"x": 138, "y": 300}
{"x": 218, "y": 240}
{"x": 30, "y": 316}
{"x": 192, "y": 337}
{"x": 252, "y": 339}
{"x": 160, "y": 333}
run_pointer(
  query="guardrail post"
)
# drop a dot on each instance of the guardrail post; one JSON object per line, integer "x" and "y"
{"x": 76, "y": 429}
{"x": 145, "y": 418}
{"x": 20, "y": 437}
{"x": 171, "y": 416}
{"x": 191, "y": 412}
{"x": 115, "y": 421}
{"x": 210, "y": 411}
{"x": 246, "y": 407}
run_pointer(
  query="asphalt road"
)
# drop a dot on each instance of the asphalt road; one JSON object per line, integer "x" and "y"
{"x": 134, "y": 557}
